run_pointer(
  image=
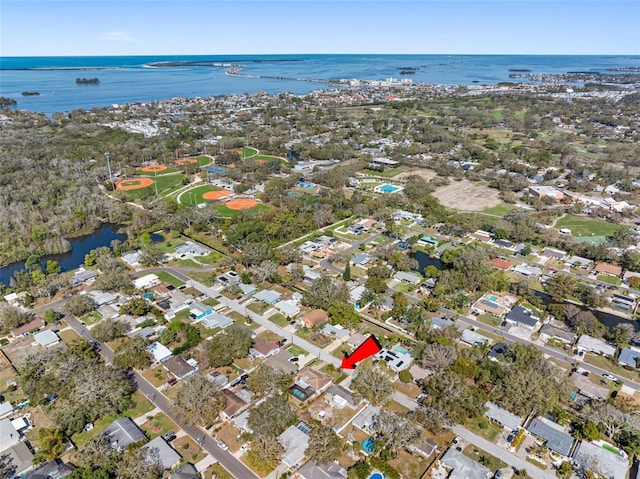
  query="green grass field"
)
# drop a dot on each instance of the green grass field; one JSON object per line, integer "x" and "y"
{"x": 204, "y": 160}
{"x": 248, "y": 151}
{"x": 164, "y": 183}
{"x": 170, "y": 169}
{"x": 270, "y": 158}
{"x": 169, "y": 278}
{"x": 229, "y": 213}
{"x": 583, "y": 226}
{"x": 194, "y": 195}
{"x": 499, "y": 210}
{"x": 387, "y": 173}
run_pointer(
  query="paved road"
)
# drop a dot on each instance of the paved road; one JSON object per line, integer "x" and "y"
{"x": 235, "y": 467}
{"x": 355, "y": 244}
{"x": 502, "y": 454}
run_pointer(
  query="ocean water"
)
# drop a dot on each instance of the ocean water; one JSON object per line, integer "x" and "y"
{"x": 131, "y": 79}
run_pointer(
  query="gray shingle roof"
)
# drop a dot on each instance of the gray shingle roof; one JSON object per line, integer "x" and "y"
{"x": 557, "y": 440}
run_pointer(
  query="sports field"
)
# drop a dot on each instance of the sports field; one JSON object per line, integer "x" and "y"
{"x": 153, "y": 170}
{"x": 584, "y": 226}
{"x": 143, "y": 186}
{"x": 133, "y": 184}
{"x": 202, "y": 194}
{"x": 247, "y": 151}
{"x": 233, "y": 208}
{"x": 261, "y": 158}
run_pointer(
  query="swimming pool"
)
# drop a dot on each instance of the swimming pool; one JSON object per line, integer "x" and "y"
{"x": 307, "y": 185}
{"x": 368, "y": 445}
{"x": 401, "y": 350}
{"x": 493, "y": 299}
{"x": 299, "y": 394}
{"x": 377, "y": 475}
{"x": 387, "y": 188}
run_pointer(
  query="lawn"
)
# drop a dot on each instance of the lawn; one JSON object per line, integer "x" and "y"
{"x": 270, "y": 158}
{"x": 91, "y": 318}
{"x": 387, "y": 173}
{"x": 203, "y": 160}
{"x": 163, "y": 183}
{"x": 410, "y": 465}
{"x": 211, "y": 258}
{"x": 269, "y": 336}
{"x": 188, "y": 449}
{"x": 160, "y": 424}
{"x": 405, "y": 288}
{"x": 157, "y": 376}
{"x": 229, "y": 213}
{"x": 498, "y": 210}
{"x": 216, "y": 471}
{"x": 483, "y": 427}
{"x": 609, "y": 279}
{"x": 584, "y": 226}
{"x": 194, "y": 196}
{"x": 608, "y": 365}
{"x": 279, "y": 319}
{"x": 297, "y": 350}
{"x": 248, "y": 151}
{"x": 483, "y": 457}
{"x": 169, "y": 278}
{"x": 68, "y": 335}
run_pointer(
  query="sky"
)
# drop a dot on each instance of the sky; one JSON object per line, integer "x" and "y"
{"x": 192, "y": 27}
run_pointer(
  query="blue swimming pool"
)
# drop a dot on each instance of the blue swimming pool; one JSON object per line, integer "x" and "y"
{"x": 377, "y": 475}
{"x": 368, "y": 445}
{"x": 307, "y": 185}
{"x": 493, "y": 299}
{"x": 387, "y": 188}
{"x": 400, "y": 349}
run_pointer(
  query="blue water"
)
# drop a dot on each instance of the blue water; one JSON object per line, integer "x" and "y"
{"x": 377, "y": 475}
{"x": 400, "y": 349}
{"x": 368, "y": 445}
{"x": 389, "y": 188}
{"x": 131, "y": 79}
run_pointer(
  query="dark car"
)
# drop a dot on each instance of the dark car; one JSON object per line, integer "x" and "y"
{"x": 510, "y": 438}
{"x": 169, "y": 436}
{"x": 498, "y": 475}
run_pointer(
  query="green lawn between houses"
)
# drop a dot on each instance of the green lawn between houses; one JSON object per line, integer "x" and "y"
{"x": 583, "y": 226}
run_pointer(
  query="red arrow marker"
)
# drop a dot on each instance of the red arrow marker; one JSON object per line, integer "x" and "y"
{"x": 370, "y": 347}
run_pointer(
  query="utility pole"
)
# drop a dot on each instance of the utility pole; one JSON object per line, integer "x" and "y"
{"x": 109, "y": 168}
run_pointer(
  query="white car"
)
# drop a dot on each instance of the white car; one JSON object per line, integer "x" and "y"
{"x": 610, "y": 376}
{"x": 222, "y": 445}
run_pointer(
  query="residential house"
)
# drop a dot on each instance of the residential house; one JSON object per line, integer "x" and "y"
{"x": 588, "y": 388}
{"x": 21, "y": 459}
{"x": 6, "y": 409}
{"x": 463, "y": 466}
{"x": 315, "y": 319}
{"x": 396, "y": 359}
{"x": 608, "y": 269}
{"x": 311, "y": 470}
{"x": 501, "y": 416}
{"x": 602, "y": 460}
{"x": 472, "y": 338}
{"x": 25, "y": 329}
{"x": 501, "y": 243}
{"x": 621, "y": 302}
{"x": 180, "y": 368}
{"x": 132, "y": 258}
{"x": 554, "y": 254}
{"x": 288, "y": 308}
{"x": 146, "y": 281}
{"x": 9, "y": 436}
{"x": 268, "y": 296}
{"x": 295, "y": 440}
{"x": 424, "y": 446}
{"x": 216, "y": 320}
{"x": 629, "y": 357}
{"x": 361, "y": 259}
{"x": 578, "y": 262}
{"x": 497, "y": 351}
{"x": 483, "y": 236}
{"x": 101, "y": 298}
{"x": 218, "y": 378}
{"x": 199, "y": 310}
{"x": 541, "y": 192}
{"x": 123, "y": 432}
{"x": 185, "y": 471}
{"x": 502, "y": 263}
{"x": 355, "y": 295}
{"x": 309, "y": 383}
{"x": 522, "y": 317}
{"x": 428, "y": 241}
{"x": 161, "y": 452}
{"x": 356, "y": 339}
{"x": 556, "y": 438}
{"x": 53, "y": 469}
{"x": 159, "y": 352}
{"x": 419, "y": 373}
{"x": 263, "y": 349}
{"x": 191, "y": 248}
{"x": 229, "y": 278}
{"x": 549, "y": 331}
{"x": 525, "y": 270}
{"x": 339, "y": 396}
{"x": 82, "y": 276}
{"x": 406, "y": 277}
{"x": 46, "y": 338}
{"x": 595, "y": 345}
{"x": 486, "y": 306}
{"x": 335, "y": 331}
{"x": 366, "y": 418}
{"x": 383, "y": 162}
{"x": 282, "y": 362}
{"x": 235, "y": 404}
{"x": 247, "y": 289}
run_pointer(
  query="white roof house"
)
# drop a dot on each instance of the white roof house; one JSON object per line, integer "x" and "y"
{"x": 159, "y": 351}
{"x": 216, "y": 320}
{"x": 526, "y": 270}
{"x": 602, "y": 461}
{"x": 502, "y": 416}
{"x": 295, "y": 441}
{"x": 595, "y": 345}
{"x": 8, "y": 435}
{"x": 165, "y": 453}
{"x": 473, "y": 338}
{"x": 46, "y": 338}
{"x": 145, "y": 282}
{"x": 6, "y": 408}
{"x": 410, "y": 278}
{"x": 288, "y": 308}
{"x": 268, "y": 296}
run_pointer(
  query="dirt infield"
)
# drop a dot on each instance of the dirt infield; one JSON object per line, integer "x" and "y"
{"x": 422, "y": 172}
{"x": 153, "y": 168}
{"x": 464, "y": 195}
{"x": 133, "y": 184}
{"x": 241, "y": 204}
{"x": 216, "y": 195}
{"x": 182, "y": 161}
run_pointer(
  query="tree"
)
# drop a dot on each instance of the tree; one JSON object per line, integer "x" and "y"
{"x": 136, "y": 306}
{"x": 587, "y": 430}
{"x": 265, "y": 270}
{"x": 395, "y": 431}
{"x": 52, "y": 267}
{"x": 613, "y": 419}
{"x": 264, "y": 454}
{"x": 50, "y": 316}
{"x": 11, "y": 317}
{"x": 109, "y": 329}
{"x": 132, "y": 353}
{"x": 400, "y": 304}
{"x": 325, "y": 291}
{"x": 560, "y": 287}
{"x": 360, "y": 470}
{"x": 266, "y": 380}
{"x": 620, "y": 335}
{"x": 405, "y": 376}
{"x": 7, "y": 468}
{"x": 230, "y": 344}
{"x": 271, "y": 417}
{"x": 437, "y": 357}
{"x": 151, "y": 254}
{"x": 565, "y": 470}
{"x": 139, "y": 464}
{"x": 372, "y": 383}
{"x": 198, "y": 401}
{"x": 346, "y": 274}
{"x": 324, "y": 445}
{"x": 51, "y": 443}
{"x": 79, "y": 305}
{"x": 344, "y": 314}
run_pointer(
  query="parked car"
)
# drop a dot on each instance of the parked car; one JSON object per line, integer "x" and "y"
{"x": 169, "y": 436}
{"x": 456, "y": 440}
{"x": 510, "y": 438}
{"x": 498, "y": 474}
{"x": 610, "y": 376}
{"x": 223, "y": 446}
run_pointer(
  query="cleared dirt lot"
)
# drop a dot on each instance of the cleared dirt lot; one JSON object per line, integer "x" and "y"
{"x": 422, "y": 172}
{"x": 464, "y": 195}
